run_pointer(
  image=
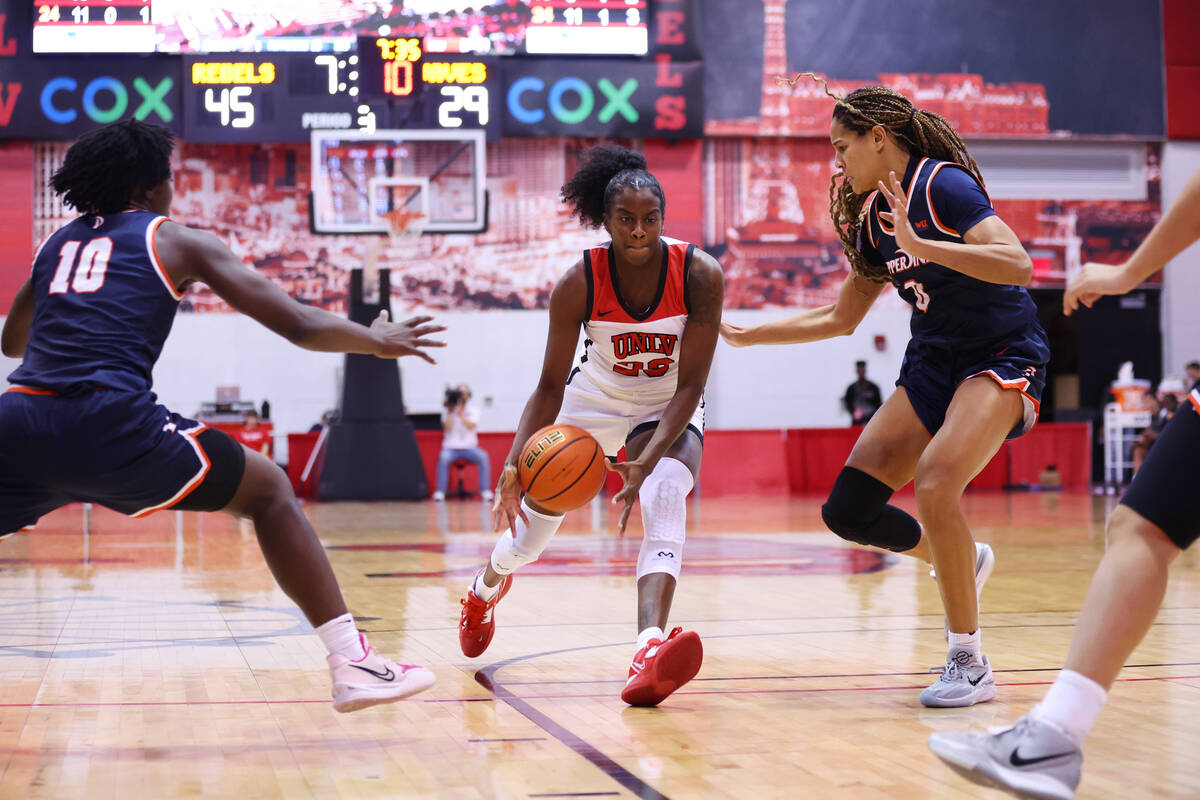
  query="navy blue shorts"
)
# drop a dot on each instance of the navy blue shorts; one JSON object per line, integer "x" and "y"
{"x": 932, "y": 373}
{"x": 1162, "y": 489}
{"x": 119, "y": 449}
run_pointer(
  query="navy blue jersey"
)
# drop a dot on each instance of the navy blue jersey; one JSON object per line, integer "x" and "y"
{"x": 102, "y": 306}
{"x": 944, "y": 202}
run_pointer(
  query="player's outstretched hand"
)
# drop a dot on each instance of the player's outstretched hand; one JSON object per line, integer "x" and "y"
{"x": 906, "y": 237}
{"x": 1092, "y": 282}
{"x": 632, "y": 473}
{"x": 507, "y": 505}
{"x": 734, "y": 335}
{"x": 405, "y": 338}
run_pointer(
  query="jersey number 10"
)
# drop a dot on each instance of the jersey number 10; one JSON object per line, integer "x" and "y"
{"x": 93, "y": 263}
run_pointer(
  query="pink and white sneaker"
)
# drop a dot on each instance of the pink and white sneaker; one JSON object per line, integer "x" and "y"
{"x": 373, "y": 679}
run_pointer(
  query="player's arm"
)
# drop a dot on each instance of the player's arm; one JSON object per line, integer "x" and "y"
{"x": 990, "y": 250}
{"x": 1178, "y": 228}
{"x": 838, "y": 319}
{"x": 706, "y": 292}
{"x": 16, "y": 325}
{"x": 191, "y": 255}
{"x": 568, "y": 309}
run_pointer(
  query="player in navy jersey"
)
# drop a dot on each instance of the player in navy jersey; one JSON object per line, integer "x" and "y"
{"x": 1156, "y": 520}
{"x": 650, "y": 310}
{"x": 81, "y": 424}
{"x": 911, "y": 210}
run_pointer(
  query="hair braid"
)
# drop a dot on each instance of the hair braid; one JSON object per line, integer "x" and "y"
{"x": 920, "y": 132}
{"x": 103, "y": 169}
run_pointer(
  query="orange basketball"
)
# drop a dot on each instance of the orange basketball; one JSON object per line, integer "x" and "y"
{"x": 561, "y": 467}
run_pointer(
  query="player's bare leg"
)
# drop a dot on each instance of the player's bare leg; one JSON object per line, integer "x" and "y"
{"x": 979, "y": 418}
{"x": 1124, "y": 597}
{"x": 664, "y": 661}
{"x": 361, "y": 677}
{"x": 288, "y": 542}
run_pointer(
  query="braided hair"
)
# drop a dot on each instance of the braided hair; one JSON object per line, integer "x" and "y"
{"x": 603, "y": 172}
{"x": 920, "y": 132}
{"x": 104, "y": 168}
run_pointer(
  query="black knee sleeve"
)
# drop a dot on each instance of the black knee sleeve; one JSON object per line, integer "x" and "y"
{"x": 857, "y": 510}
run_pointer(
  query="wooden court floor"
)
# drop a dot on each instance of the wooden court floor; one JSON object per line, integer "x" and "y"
{"x": 156, "y": 659}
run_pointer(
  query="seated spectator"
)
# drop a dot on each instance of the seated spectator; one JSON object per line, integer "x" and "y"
{"x": 460, "y": 441}
{"x": 253, "y": 435}
{"x": 1160, "y": 414}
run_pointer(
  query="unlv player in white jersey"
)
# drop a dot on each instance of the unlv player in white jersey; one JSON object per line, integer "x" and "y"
{"x": 650, "y": 308}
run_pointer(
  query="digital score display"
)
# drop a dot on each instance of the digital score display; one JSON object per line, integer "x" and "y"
{"x": 581, "y": 27}
{"x": 430, "y": 90}
{"x": 93, "y": 26}
{"x": 280, "y": 97}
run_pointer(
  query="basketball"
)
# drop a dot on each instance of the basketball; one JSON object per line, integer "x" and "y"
{"x": 561, "y": 467}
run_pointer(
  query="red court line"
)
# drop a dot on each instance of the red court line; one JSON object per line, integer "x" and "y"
{"x": 556, "y": 696}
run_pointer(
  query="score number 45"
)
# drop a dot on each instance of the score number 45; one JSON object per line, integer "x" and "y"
{"x": 233, "y": 100}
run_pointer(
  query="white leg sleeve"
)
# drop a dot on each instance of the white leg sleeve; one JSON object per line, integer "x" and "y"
{"x": 664, "y": 516}
{"x": 511, "y": 554}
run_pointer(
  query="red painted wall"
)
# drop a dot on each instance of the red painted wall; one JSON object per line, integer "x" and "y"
{"x": 1181, "y": 22}
{"x": 678, "y": 167}
{"x": 16, "y": 219}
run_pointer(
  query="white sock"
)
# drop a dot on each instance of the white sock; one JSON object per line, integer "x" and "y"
{"x": 647, "y": 634}
{"x": 1073, "y": 704}
{"x": 967, "y": 641}
{"x": 482, "y": 590}
{"x": 340, "y": 635}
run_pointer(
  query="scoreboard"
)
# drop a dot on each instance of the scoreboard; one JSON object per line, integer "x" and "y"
{"x": 428, "y": 90}
{"x": 389, "y": 81}
{"x": 571, "y": 27}
{"x": 278, "y": 97}
{"x": 93, "y": 26}
{"x": 574, "y": 27}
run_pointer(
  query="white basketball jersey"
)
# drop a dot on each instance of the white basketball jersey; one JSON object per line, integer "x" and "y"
{"x": 629, "y": 354}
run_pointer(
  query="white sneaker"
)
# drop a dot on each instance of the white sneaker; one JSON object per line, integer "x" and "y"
{"x": 1033, "y": 758}
{"x": 985, "y": 562}
{"x": 486, "y": 495}
{"x": 439, "y": 497}
{"x": 373, "y": 679}
{"x": 964, "y": 682}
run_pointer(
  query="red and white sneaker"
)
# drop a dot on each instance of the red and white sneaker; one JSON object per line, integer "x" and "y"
{"x": 477, "y": 624}
{"x": 661, "y": 667}
{"x": 373, "y": 679}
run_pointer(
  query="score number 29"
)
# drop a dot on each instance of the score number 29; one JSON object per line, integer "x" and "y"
{"x": 463, "y": 98}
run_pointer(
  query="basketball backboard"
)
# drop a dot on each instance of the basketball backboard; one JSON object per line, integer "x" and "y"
{"x": 358, "y": 177}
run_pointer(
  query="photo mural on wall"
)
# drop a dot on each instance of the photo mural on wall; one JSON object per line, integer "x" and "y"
{"x": 1017, "y": 68}
{"x": 765, "y": 217}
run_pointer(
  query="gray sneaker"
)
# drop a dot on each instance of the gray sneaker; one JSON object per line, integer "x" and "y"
{"x": 985, "y": 562}
{"x": 964, "y": 682}
{"x": 1032, "y": 759}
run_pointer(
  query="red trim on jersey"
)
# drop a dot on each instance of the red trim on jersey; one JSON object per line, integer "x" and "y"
{"x": 929, "y": 202}
{"x": 1020, "y": 384}
{"x": 31, "y": 390}
{"x": 1194, "y": 396}
{"x": 152, "y": 250}
{"x": 607, "y": 305}
{"x": 194, "y": 483}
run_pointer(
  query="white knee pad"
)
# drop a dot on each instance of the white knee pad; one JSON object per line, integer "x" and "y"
{"x": 510, "y": 554}
{"x": 664, "y": 517}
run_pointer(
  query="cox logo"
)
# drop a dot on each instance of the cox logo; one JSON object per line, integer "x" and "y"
{"x": 583, "y": 100}
{"x": 105, "y": 99}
